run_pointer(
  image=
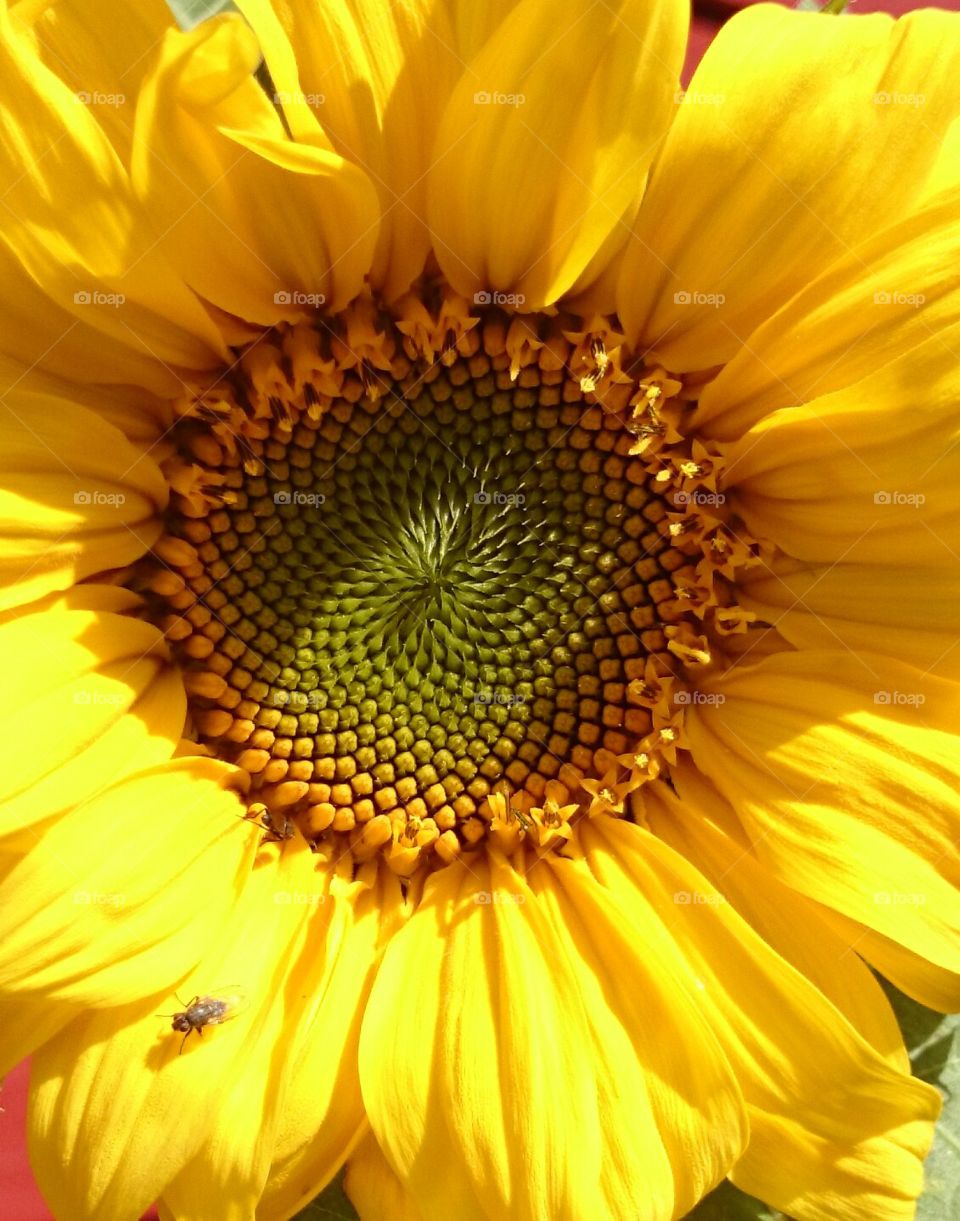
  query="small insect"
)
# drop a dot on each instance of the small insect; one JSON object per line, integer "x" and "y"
{"x": 206, "y": 1011}
{"x": 277, "y": 827}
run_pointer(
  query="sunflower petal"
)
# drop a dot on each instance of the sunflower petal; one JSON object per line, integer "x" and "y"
{"x": 103, "y": 682}
{"x": 539, "y": 1002}
{"x": 322, "y": 1116}
{"x": 843, "y": 770}
{"x": 546, "y": 142}
{"x": 911, "y": 613}
{"x": 77, "y": 499}
{"x": 835, "y": 1131}
{"x": 886, "y": 295}
{"x": 374, "y": 1190}
{"x": 866, "y": 475}
{"x": 377, "y": 76}
{"x": 98, "y": 262}
{"x": 793, "y": 155}
{"x": 691, "y": 820}
{"x": 293, "y": 221}
{"x": 103, "y": 71}
{"x": 100, "y": 928}
{"x": 215, "y": 1105}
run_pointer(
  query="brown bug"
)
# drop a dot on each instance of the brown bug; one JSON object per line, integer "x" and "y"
{"x": 206, "y": 1011}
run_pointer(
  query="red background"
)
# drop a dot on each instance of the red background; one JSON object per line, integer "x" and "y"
{"x": 19, "y": 1198}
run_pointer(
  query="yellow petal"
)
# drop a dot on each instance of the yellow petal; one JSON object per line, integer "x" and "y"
{"x": 866, "y": 475}
{"x": 97, "y": 262}
{"x": 472, "y": 1102}
{"x": 77, "y": 498}
{"x": 887, "y": 294}
{"x": 834, "y": 1130}
{"x": 261, "y": 226}
{"x": 374, "y": 1190}
{"x": 100, "y": 51}
{"x": 198, "y": 1125}
{"x": 796, "y": 928}
{"x": 844, "y": 772}
{"x": 376, "y": 76}
{"x": 322, "y": 1115}
{"x": 932, "y": 985}
{"x": 546, "y": 142}
{"x": 109, "y": 905}
{"x": 777, "y": 163}
{"x": 911, "y": 613}
{"x": 89, "y": 696}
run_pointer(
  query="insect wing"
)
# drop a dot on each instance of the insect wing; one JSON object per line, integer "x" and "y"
{"x": 234, "y": 1000}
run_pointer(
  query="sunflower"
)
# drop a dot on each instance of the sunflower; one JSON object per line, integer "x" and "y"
{"x": 480, "y": 539}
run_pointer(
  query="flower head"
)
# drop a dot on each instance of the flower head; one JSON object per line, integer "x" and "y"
{"x": 479, "y": 526}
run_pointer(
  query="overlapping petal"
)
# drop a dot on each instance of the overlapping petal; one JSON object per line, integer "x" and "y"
{"x": 843, "y": 771}
{"x": 777, "y": 163}
{"x": 76, "y": 498}
{"x": 90, "y": 695}
{"x": 471, "y": 1102}
{"x": 262, "y": 226}
{"x": 546, "y": 141}
{"x": 835, "y": 1130}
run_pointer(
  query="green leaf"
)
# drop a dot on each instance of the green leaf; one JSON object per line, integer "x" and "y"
{"x": 934, "y": 1047}
{"x": 330, "y": 1205}
{"x": 189, "y": 13}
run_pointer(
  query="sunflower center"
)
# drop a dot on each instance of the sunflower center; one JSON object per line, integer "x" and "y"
{"x": 404, "y": 589}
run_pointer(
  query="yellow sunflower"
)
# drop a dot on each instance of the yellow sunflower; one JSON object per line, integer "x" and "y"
{"x": 479, "y": 604}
